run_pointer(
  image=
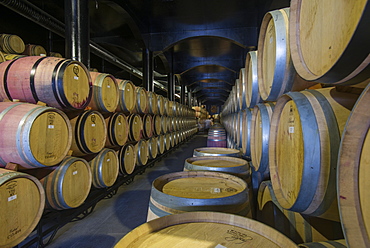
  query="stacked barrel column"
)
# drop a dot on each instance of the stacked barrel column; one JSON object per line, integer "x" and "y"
{"x": 38, "y": 94}
{"x": 303, "y": 122}
{"x": 78, "y": 130}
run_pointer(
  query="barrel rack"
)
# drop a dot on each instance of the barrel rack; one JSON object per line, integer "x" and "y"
{"x": 52, "y": 220}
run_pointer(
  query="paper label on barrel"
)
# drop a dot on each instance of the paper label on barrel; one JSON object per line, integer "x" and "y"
{"x": 215, "y": 190}
{"x": 108, "y": 86}
{"x": 74, "y": 173}
{"x": 291, "y": 129}
{"x": 51, "y": 126}
{"x": 11, "y": 198}
{"x": 108, "y": 159}
{"x": 93, "y": 125}
{"x": 75, "y": 77}
{"x": 220, "y": 246}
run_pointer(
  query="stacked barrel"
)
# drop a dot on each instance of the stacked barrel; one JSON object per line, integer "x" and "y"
{"x": 12, "y": 47}
{"x": 295, "y": 113}
{"x": 69, "y": 130}
{"x": 202, "y": 115}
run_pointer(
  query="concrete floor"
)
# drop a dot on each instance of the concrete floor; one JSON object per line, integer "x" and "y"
{"x": 113, "y": 218}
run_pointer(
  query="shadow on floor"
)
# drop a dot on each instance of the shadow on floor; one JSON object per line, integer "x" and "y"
{"x": 89, "y": 241}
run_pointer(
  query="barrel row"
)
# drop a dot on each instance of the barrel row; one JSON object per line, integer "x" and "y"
{"x": 297, "y": 142}
{"x": 109, "y": 94}
{"x": 68, "y": 184}
{"x": 39, "y": 136}
{"x": 13, "y": 47}
{"x": 68, "y": 85}
{"x": 301, "y": 130}
{"x": 200, "y": 112}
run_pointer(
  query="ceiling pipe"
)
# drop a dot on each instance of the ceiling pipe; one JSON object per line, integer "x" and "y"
{"x": 77, "y": 30}
{"x": 148, "y": 69}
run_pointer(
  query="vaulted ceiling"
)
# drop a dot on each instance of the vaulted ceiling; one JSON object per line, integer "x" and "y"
{"x": 203, "y": 42}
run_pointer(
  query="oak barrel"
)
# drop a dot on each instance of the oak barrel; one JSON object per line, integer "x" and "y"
{"x": 204, "y": 230}
{"x": 34, "y": 50}
{"x": 89, "y": 133}
{"x": 2, "y": 58}
{"x": 171, "y": 108}
{"x": 22, "y": 205}
{"x": 58, "y": 82}
{"x": 246, "y": 133}
{"x": 168, "y": 141}
{"x": 55, "y": 54}
{"x": 164, "y": 123}
{"x": 33, "y": 135}
{"x": 166, "y": 106}
{"x": 260, "y": 132}
{"x": 157, "y": 124}
{"x": 160, "y": 104}
{"x": 305, "y": 135}
{"x": 353, "y": 164}
{"x": 173, "y": 139}
{"x": 231, "y": 165}
{"x": 190, "y": 191}
{"x": 142, "y": 152}
{"x": 147, "y": 126}
{"x": 239, "y": 128}
{"x": 236, "y": 94}
{"x": 68, "y": 185}
{"x": 297, "y": 227}
{"x": 153, "y": 147}
{"x": 117, "y": 130}
{"x": 152, "y": 103}
{"x": 135, "y": 124}
{"x": 104, "y": 168}
{"x": 127, "y": 159}
{"x": 161, "y": 144}
{"x": 242, "y": 89}
{"x": 216, "y": 136}
{"x": 127, "y": 96}
{"x": 252, "y": 94}
{"x": 105, "y": 95}
{"x": 216, "y": 151}
{"x": 275, "y": 68}
{"x": 11, "y": 43}
{"x": 328, "y": 51}
{"x": 141, "y": 105}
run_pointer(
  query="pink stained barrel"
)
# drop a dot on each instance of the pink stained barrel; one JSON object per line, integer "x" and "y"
{"x": 58, "y": 82}
{"x": 217, "y": 137}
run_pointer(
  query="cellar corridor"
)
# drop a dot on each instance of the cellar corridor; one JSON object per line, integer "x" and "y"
{"x": 114, "y": 217}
